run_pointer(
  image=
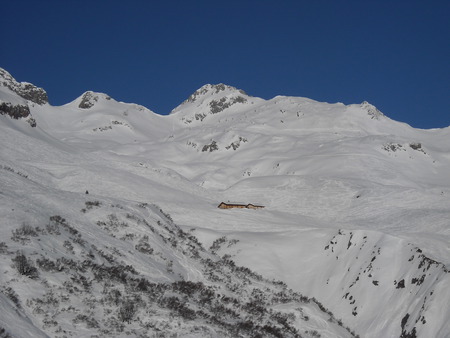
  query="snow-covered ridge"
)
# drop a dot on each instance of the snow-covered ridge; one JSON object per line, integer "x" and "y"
{"x": 210, "y": 89}
{"x": 355, "y": 219}
{"x": 25, "y": 90}
{"x": 371, "y": 110}
{"x": 210, "y": 100}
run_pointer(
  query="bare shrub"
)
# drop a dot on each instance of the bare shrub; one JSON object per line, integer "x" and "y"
{"x": 25, "y": 266}
{"x": 24, "y": 233}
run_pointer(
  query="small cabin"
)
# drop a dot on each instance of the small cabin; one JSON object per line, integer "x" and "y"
{"x": 224, "y": 205}
{"x": 253, "y": 206}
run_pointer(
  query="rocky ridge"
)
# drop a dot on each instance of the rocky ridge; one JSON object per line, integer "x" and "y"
{"x": 25, "y": 90}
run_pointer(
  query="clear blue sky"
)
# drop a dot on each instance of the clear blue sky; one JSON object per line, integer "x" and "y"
{"x": 394, "y": 54}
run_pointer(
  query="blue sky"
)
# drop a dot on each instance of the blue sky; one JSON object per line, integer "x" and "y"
{"x": 394, "y": 54}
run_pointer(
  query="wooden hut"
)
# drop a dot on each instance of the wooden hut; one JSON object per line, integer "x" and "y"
{"x": 229, "y": 205}
{"x": 254, "y": 206}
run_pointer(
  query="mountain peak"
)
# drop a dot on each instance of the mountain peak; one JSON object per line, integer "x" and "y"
{"x": 210, "y": 100}
{"x": 371, "y": 110}
{"x": 212, "y": 89}
{"x": 90, "y": 98}
{"x": 25, "y": 90}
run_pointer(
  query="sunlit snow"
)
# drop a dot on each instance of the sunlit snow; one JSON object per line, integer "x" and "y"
{"x": 357, "y": 216}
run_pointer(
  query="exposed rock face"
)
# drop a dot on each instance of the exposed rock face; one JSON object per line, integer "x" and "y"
{"x": 25, "y": 90}
{"x": 211, "y": 90}
{"x": 32, "y": 93}
{"x": 89, "y": 99}
{"x": 210, "y": 100}
{"x": 15, "y": 111}
{"x": 19, "y": 109}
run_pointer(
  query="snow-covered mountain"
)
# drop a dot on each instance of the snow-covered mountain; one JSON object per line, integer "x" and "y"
{"x": 110, "y": 225}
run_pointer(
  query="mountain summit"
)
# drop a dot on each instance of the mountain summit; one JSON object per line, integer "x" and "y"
{"x": 210, "y": 100}
{"x": 89, "y": 98}
{"x": 25, "y": 90}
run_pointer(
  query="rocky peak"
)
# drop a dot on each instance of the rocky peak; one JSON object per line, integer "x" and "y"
{"x": 89, "y": 99}
{"x": 209, "y": 90}
{"x": 25, "y": 90}
{"x": 372, "y": 111}
{"x": 209, "y": 100}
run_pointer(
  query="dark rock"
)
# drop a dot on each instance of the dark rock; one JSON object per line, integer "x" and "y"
{"x": 210, "y": 147}
{"x": 25, "y": 90}
{"x": 88, "y": 100}
{"x": 15, "y": 111}
{"x": 401, "y": 284}
{"x": 32, "y": 122}
{"x": 33, "y": 93}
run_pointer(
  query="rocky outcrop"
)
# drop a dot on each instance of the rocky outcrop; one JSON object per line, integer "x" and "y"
{"x": 32, "y": 93}
{"x": 211, "y": 90}
{"x": 210, "y": 100}
{"x": 17, "y": 111}
{"x": 89, "y": 99}
{"x": 14, "y": 111}
{"x": 25, "y": 90}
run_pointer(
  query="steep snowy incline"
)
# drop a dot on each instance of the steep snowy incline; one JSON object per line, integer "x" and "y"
{"x": 112, "y": 263}
{"x": 383, "y": 286}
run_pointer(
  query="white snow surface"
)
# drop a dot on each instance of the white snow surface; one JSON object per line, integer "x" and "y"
{"x": 357, "y": 211}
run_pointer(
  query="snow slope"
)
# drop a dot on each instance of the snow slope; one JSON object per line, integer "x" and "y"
{"x": 356, "y": 215}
